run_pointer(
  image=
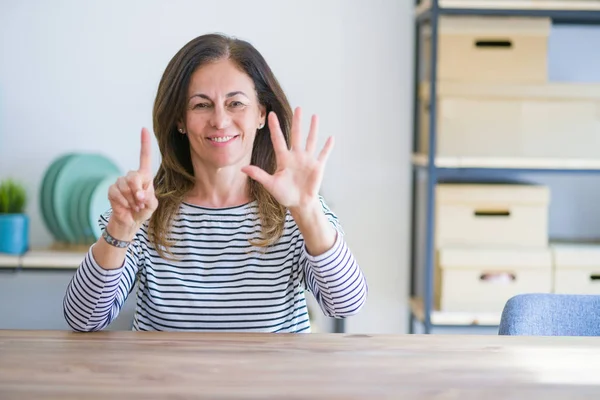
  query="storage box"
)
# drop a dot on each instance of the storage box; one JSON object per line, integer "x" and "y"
{"x": 483, "y": 279}
{"x": 558, "y": 121}
{"x": 576, "y": 268}
{"x": 491, "y": 215}
{"x": 491, "y": 49}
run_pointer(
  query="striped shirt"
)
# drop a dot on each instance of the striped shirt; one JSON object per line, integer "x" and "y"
{"x": 219, "y": 281}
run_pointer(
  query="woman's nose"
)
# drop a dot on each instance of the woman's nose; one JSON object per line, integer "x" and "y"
{"x": 220, "y": 118}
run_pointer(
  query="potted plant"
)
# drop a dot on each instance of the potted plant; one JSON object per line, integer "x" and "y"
{"x": 14, "y": 224}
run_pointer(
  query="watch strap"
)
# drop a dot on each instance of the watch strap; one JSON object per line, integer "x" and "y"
{"x": 114, "y": 241}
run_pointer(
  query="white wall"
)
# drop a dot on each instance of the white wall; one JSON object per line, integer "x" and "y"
{"x": 82, "y": 76}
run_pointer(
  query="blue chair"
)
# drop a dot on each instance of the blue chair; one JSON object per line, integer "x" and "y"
{"x": 551, "y": 315}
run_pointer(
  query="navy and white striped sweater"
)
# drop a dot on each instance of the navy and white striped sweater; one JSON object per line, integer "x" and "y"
{"x": 219, "y": 282}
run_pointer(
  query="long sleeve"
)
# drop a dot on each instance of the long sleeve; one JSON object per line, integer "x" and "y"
{"x": 334, "y": 277}
{"x": 95, "y": 296}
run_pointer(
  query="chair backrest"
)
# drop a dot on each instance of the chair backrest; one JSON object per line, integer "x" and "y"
{"x": 551, "y": 315}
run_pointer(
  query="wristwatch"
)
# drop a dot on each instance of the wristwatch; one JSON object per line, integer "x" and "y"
{"x": 114, "y": 242}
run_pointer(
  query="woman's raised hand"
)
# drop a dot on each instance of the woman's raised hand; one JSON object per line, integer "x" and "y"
{"x": 132, "y": 196}
{"x": 297, "y": 180}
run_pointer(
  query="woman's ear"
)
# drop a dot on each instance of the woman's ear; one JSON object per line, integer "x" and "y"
{"x": 181, "y": 127}
{"x": 262, "y": 117}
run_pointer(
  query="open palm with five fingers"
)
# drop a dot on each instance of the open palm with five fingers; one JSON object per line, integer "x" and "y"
{"x": 132, "y": 196}
{"x": 297, "y": 179}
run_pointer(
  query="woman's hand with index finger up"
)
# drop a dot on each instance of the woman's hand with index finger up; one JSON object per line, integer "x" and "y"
{"x": 132, "y": 197}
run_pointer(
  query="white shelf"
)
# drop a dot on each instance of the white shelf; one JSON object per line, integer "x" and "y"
{"x": 421, "y": 160}
{"x": 454, "y": 318}
{"x": 9, "y": 261}
{"x": 43, "y": 259}
{"x": 541, "y": 5}
{"x": 544, "y": 91}
{"x": 52, "y": 259}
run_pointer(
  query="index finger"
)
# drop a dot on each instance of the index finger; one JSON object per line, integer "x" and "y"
{"x": 145, "y": 153}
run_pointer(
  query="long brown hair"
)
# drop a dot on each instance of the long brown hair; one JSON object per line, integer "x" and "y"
{"x": 175, "y": 176}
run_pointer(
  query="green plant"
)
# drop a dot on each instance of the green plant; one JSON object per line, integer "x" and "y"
{"x": 12, "y": 197}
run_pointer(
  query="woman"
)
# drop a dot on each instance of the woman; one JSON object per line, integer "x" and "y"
{"x": 231, "y": 231}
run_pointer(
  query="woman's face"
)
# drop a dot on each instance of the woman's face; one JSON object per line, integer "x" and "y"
{"x": 222, "y": 115}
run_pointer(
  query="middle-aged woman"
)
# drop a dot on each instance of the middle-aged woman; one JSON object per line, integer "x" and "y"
{"x": 231, "y": 231}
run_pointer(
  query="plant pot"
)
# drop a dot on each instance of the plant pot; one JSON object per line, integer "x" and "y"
{"x": 14, "y": 233}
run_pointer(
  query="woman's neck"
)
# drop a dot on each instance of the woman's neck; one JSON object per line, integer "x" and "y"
{"x": 219, "y": 188}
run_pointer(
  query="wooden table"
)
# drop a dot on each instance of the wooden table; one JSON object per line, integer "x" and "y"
{"x": 143, "y": 365}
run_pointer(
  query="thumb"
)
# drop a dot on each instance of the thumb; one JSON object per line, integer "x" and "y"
{"x": 152, "y": 200}
{"x": 259, "y": 175}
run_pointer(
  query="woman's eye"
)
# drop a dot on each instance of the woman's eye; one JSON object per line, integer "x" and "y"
{"x": 201, "y": 105}
{"x": 236, "y": 104}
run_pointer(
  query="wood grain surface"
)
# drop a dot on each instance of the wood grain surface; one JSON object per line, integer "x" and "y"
{"x": 160, "y": 365}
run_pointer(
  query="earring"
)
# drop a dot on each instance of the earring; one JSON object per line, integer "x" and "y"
{"x": 181, "y": 130}
{"x": 261, "y": 125}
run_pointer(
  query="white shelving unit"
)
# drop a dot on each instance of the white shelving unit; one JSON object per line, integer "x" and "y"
{"x": 429, "y": 168}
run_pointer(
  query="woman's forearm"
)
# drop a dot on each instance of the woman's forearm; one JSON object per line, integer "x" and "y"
{"x": 108, "y": 256}
{"x": 319, "y": 235}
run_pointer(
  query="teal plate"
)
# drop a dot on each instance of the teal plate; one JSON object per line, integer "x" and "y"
{"x": 99, "y": 203}
{"x": 76, "y": 169}
{"x": 45, "y": 196}
{"x": 80, "y": 199}
{"x": 84, "y": 209}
